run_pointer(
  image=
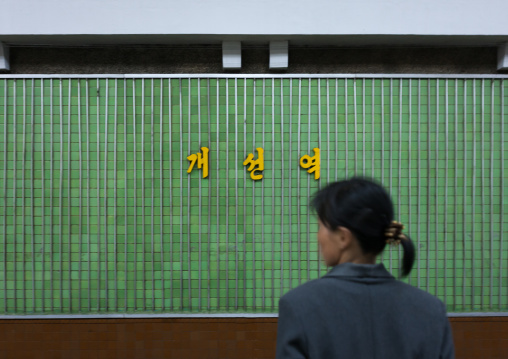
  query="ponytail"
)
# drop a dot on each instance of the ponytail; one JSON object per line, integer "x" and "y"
{"x": 409, "y": 255}
{"x": 394, "y": 236}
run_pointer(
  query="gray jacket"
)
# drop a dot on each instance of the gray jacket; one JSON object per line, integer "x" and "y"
{"x": 361, "y": 311}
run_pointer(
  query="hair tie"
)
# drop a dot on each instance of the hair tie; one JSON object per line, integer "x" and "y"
{"x": 393, "y": 233}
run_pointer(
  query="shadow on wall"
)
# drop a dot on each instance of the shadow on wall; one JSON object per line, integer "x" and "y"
{"x": 208, "y": 59}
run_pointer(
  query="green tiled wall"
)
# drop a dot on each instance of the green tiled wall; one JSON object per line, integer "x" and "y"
{"x": 99, "y": 214}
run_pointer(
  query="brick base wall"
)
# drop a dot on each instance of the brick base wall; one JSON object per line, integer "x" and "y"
{"x": 484, "y": 337}
{"x": 238, "y": 338}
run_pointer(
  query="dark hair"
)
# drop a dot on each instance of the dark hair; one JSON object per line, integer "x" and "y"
{"x": 365, "y": 208}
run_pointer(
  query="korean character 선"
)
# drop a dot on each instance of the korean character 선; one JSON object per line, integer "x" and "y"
{"x": 253, "y": 163}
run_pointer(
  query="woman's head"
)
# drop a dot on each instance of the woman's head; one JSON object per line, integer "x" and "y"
{"x": 360, "y": 211}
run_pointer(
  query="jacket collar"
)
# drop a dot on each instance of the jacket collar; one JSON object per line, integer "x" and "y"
{"x": 358, "y": 271}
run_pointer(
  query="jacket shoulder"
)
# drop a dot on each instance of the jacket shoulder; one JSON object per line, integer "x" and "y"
{"x": 302, "y": 291}
{"x": 394, "y": 290}
{"x": 419, "y": 296}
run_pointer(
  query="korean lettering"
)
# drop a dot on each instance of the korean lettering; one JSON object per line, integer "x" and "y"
{"x": 313, "y": 163}
{"x": 253, "y": 163}
{"x": 201, "y": 159}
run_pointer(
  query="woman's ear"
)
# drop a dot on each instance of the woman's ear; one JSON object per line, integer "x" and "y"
{"x": 344, "y": 237}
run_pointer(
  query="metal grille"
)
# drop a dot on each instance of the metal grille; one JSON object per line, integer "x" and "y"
{"x": 99, "y": 214}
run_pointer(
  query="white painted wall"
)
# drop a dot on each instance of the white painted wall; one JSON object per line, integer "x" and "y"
{"x": 254, "y": 17}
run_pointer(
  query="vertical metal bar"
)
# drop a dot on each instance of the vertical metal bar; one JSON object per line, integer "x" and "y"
{"x": 69, "y": 194}
{"x": 61, "y": 197}
{"x": 482, "y": 187}
{"x": 309, "y": 149}
{"x": 51, "y": 193}
{"x": 336, "y": 131}
{"x": 363, "y": 122}
{"x": 23, "y": 219}
{"x": 391, "y": 153}
{"x": 32, "y": 193}
{"x": 87, "y": 107}
{"x": 244, "y": 194}
{"x": 346, "y": 122}
{"x": 356, "y": 126}
{"x": 43, "y": 141}
{"x": 410, "y": 152}
{"x": 135, "y": 195}
{"x": 189, "y": 282}
{"x": 170, "y": 130}
{"x": 227, "y": 195}
{"x": 282, "y": 186}
{"x": 98, "y": 202}
{"x": 236, "y": 193}
{"x": 464, "y": 217}
{"x": 373, "y": 89}
{"x": 473, "y": 217}
{"x": 5, "y": 192}
{"x": 428, "y": 184}
{"x": 273, "y": 194}
{"x": 290, "y": 196}
{"x": 482, "y": 178}
{"x": 319, "y": 183}
{"x": 399, "y": 155}
{"x": 456, "y": 194}
{"x": 32, "y": 210}
{"x": 218, "y": 202}
{"x": 263, "y": 211}
{"x": 309, "y": 178}
{"x": 501, "y": 196}
{"x": 418, "y": 210}
{"x": 253, "y": 204}
{"x": 445, "y": 249}
{"x": 200, "y": 206}
{"x": 181, "y": 198}
{"x": 43, "y": 190}
{"x": 382, "y": 134}
{"x": 210, "y": 198}
{"x": 80, "y": 240}
{"x": 106, "y": 241}
{"x": 491, "y": 199}
{"x": 327, "y": 159}
{"x": 15, "y": 188}
{"x": 126, "y": 258}
{"x": 436, "y": 197}
{"x": 143, "y": 191}
{"x": 143, "y": 187}
{"x": 143, "y": 202}
{"x": 298, "y": 200}
{"x": 382, "y": 147}
{"x": 327, "y": 132}
{"x": 152, "y": 199}
{"x": 161, "y": 193}
{"x": 115, "y": 189}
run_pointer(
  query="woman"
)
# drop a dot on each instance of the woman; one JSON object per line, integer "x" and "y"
{"x": 359, "y": 310}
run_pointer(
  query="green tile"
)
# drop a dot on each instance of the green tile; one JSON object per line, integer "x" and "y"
{"x": 427, "y": 160}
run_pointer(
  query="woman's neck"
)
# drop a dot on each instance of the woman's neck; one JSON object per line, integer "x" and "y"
{"x": 357, "y": 258}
